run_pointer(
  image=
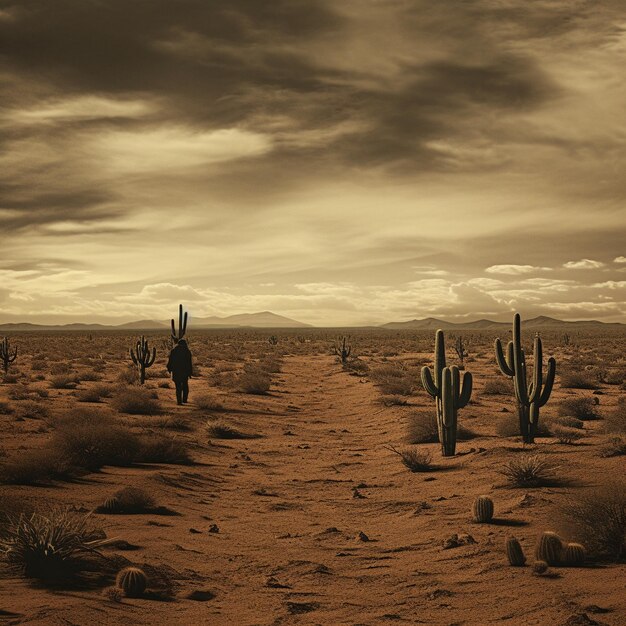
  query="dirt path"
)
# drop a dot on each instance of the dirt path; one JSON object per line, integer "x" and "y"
{"x": 319, "y": 523}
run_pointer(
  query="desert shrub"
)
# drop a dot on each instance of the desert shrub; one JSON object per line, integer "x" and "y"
{"x": 94, "y": 394}
{"x": 615, "y": 377}
{"x": 164, "y": 384}
{"x": 414, "y": 459}
{"x": 64, "y": 381}
{"x": 170, "y": 422}
{"x": 5, "y": 408}
{"x": 159, "y": 449}
{"x": 94, "y": 444}
{"x": 136, "y": 401}
{"x": 90, "y": 375}
{"x": 394, "y": 380}
{"x": 10, "y": 379}
{"x": 508, "y": 426}
{"x": 36, "y": 467}
{"x": 37, "y": 366}
{"x": 131, "y": 500}
{"x": 208, "y": 402}
{"x": 528, "y": 470}
{"x": 20, "y": 392}
{"x": 128, "y": 376}
{"x": 598, "y": 520}
{"x": 567, "y": 435}
{"x": 580, "y": 408}
{"x": 578, "y": 380}
{"x": 498, "y": 386}
{"x": 254, "y": 382}
{"x": 59, "y": 368}
{"x": 48, "y": 545}
{"x": 614, "y": 446}
{"x": 221, "y": 430}
{"x": 394, "y": 400}
{"x": 615, "y": 420}
{"x": 564, "y": 420}
{"x": 31, "y": 409}
{"x": 422, "y": 428}
{"x": 270, "y": 364}
{"x": 356, "y": 366}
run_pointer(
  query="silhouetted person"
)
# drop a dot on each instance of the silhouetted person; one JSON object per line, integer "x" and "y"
{"x": 179, "y": 364}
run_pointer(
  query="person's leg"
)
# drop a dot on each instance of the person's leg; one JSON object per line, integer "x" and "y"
{"x": 185, "y": 390}
{"x": 179, "y": 391}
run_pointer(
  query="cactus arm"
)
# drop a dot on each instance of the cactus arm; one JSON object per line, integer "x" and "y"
{"x": 521, "y": 386}
{"x": 466, "y": 392}
{"x": 456, "y": 383}
{"x": 133, "y": 357}
{"x": 549, "y": 383}
{"x": 173, "y": 330}
{"x": 151, "y": 360}
{"x": 534, "y": 389}
{"x": 506, "y": 366}
{"x": 440, "y": 357}
{"x": 429, "y": 383}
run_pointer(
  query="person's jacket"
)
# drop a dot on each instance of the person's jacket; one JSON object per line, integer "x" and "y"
{"x": 179, "y": 363}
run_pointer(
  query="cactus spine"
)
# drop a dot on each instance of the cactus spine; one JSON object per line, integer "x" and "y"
{"x": 574, "y": 554}
{"x": 343, "y": 352}
{"x": 142, "y": 357}
{"x": 5, "y": 354}
{"x": 483, "y": 509}
{"x": 549, "y": 548}
{"x": 450, "y": 396}
{"x": 132, "y": 581}
{"x": 182, "y": 325}
{"x": 514, "y": 552}
{"x": 530, "y": 397}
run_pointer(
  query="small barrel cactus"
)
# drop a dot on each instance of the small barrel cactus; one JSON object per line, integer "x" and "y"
{"x": 574, "y": 554}
{"x": 111, "y": 505}
{"x": 514, "y": 552}
{"x": 540, "y": 567}
{"x": 549, "y": 548}
{"x": 132, "y": 581}
{"x": 483, "y": 509}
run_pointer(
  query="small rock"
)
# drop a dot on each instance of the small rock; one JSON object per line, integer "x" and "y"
{"x": 200, "y": 596}
{"x": 455, "y": 541}
{"x": 581, "y": 619}
{"x": 362, "y": 536}
{"x": 594, "y": 608}
{"x": 357, "y": 494}
{"x": 439, "y": 593}
{"x": 194, "y": 531}
{"x": 214, "y": 528}
{"x": 301, "y": 607}
{"x": 272, "y": 583}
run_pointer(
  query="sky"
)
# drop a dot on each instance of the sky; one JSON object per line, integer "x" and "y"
{"x": 340, "y": 163}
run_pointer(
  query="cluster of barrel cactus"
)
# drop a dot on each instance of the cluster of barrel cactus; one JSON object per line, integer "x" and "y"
{"x": 550, "y": 550}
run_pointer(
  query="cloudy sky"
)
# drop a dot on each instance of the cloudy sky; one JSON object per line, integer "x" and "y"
{"x": 346, "y": 162}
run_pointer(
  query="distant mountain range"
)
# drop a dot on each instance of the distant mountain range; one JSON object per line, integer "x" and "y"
{"x": 431, "y": 323}
{"x": 265, "y": 319}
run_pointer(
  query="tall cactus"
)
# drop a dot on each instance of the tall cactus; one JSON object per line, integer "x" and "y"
{"x": 142, "y": 358}
{"x": 450, "y": 396}
{"x": 343, "y": 352}
{"x": 182, "y": 325}
{"x": 530, "y": 396}
{"x": 5, "y": 354}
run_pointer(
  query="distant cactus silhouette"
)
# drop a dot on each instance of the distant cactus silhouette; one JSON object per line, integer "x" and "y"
{"x": 514, "y": 552}
{"x": 461, "y": 351}
{"x": 450, "y": 396}
{"x": 5, "y": 354}
{"x": 273, "y": 340}
{"x": 182, "y": 325}
{"x": 142, "y": 358}
{"x": 132, "y": 581}
{"x": 342, "y": 351}
{"x": 483, "y": 509}
{"x": 530, "y": 397}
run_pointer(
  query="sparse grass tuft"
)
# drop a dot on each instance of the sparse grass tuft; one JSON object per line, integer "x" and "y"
{"x": 136, "y": 401}
{"x": 614, "y": 446}
{"x": 580, "y": 408}
{"x": 578, "y": 380}
{"x": 208, "y": 402}
{"x": 221, "y": 430}
{"x": 422, "y": 428}
{"x": 414, "y": 459}
{"x": 529, "y": 470}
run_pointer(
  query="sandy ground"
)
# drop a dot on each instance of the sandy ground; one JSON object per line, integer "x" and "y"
{"x": 320, "y": 523}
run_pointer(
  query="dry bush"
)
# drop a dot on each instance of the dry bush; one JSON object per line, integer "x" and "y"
{"x": 10, "y": 379}
{"x": 130, "y": 500}
{"x": 615, "y": 377}
{"x": 221, "y": 430}
{"x": 5, "y": 408}
{"x": 31, "y": 409}
{"x": 394, "y": 380}
{"x": 169, "y": 422}
{"x": 93, "y": 444}
{"x": 394, "y": 400}
{"x": 94, "y": 394}
{"x": 597, "y": 518}
{"x": 59, "y": 368}
{"x": 580, "y": 408}
{"x": 497, "y": 387}
{"x": 615, "y": 420}
{"x": 36, "y": 467}
{"x": 64, "y": 381}
{"x": 136, "y": 401}
{"x": 20, "y": 392}
{"x": 90, "y": 375}
{"x": 564, "y": 420}
{"x": 528, "y": 470}
{"x": 614, "y": 446}
{"x": 159, "y": 449}
{"x": 255, "y": 382}
{"x": 578, "y": 380}
{"x": 422, "y": 428}
{"x": 356, "y": 366}
{"x": 49, "y": 546}
{"x": 37, "y": 365}
{"x": 208, "y": 402}
{"x": 128, "y": 376}
{"x": 414, "y": 459}
{"x": 567, "y": 435}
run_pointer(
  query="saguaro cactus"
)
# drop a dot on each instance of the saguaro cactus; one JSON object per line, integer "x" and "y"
{"x": 450, "y": 396}
{"x": 142, "y": 358}
{"x": 530, "y": 397}
{"x": 461, "y": 351}
{"x": 182, "y": 325}
{"x": 5, "y": 354}
{"x": 343, "y": 352}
